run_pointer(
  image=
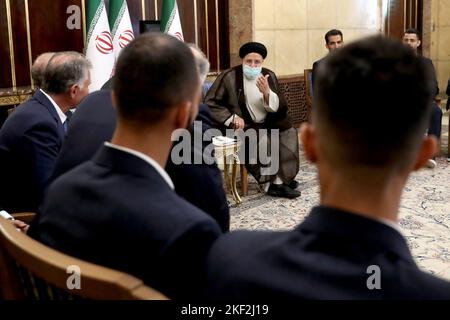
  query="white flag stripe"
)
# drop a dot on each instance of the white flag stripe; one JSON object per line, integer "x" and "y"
{"x": 174, "y": 24}
{"x": 123, "y": 30}
{"x": 99, "y": 49}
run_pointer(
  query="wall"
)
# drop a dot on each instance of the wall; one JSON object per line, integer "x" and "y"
{"x": 31, "y": 27}
{"x": 440, "y": 40}
{"x": 293, "y": 30}
{"x": 240, "y": 26}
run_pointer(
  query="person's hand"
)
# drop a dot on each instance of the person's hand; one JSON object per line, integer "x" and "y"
{"x": 22, "y": 226}
{"x": 238, "y": 123}
{"x": 263, "y": 85}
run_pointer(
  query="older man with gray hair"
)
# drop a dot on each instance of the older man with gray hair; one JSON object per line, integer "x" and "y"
{"x": 31, "y": 138}
{"x": 38, "y": 68}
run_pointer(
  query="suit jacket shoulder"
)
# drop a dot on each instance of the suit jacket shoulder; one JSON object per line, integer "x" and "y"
{"x": 129, "y": 219}
{"x": 91, "y": 125}
{"x": 326, "y": 257}
{"x": 430, "y": 66}
{"x": 30, "y": 141}
{"x": 35, "y": 111}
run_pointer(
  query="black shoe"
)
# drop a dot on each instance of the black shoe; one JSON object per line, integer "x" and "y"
{"x": 283, "y": 191}
{"x": 294, "y": 185}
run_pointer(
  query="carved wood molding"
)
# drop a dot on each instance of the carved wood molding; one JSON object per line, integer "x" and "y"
{"x": 9, "y": 97}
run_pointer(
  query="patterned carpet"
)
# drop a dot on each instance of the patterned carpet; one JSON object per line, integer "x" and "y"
{"x": 424, "y": 212}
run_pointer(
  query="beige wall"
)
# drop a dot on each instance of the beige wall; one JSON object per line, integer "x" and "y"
{"x": 293, "y": 30}
{"x": 440, "y": 40}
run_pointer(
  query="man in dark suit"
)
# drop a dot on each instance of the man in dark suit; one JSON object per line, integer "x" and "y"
{"x": 334, "y": 39}
{"x": 349, "y": 247}
{"x": 411, "y": 38}
{"x": 31, "y": 137}
{"x": 94, "y": 122}
{"x": 120, "y": 209}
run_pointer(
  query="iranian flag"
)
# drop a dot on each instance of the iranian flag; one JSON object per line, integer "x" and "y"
{"x": 99, "y": 46}
{"x": 120, "y": 24}
{"x": 170, "y": 19}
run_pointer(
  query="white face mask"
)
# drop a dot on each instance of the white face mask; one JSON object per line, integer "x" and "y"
{"x": 251, "y": 73}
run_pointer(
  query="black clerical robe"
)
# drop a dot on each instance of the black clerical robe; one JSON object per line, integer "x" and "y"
{"x": 227, "y": 97}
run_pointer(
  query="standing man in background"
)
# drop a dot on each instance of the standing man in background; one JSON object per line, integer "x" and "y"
{"x": 334, "y": 39}
{"x": 411, "y": 37}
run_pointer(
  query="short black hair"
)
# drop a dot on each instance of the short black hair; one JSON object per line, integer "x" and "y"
{"x": 373, "y": 100}
{"x": 154, "y": 73}
{"x": 412, "y": 31}
{"x": 333, "y": 32}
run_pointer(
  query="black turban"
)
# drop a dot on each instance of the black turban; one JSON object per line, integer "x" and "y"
{"x": 251, "y": 47}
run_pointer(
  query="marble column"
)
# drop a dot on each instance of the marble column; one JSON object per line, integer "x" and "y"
{"x": 427, "y": 26}
{"x": 241, "y": 27}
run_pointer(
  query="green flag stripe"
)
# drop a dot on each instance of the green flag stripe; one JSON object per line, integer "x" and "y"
{"x": 94, "y": 12}
{"x": 116, "y": 17}
{"x": 91, "y": 10}
{"x": 168, "y": 14}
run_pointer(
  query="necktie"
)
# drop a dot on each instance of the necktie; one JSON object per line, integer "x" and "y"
{"x": 66, "y": 123}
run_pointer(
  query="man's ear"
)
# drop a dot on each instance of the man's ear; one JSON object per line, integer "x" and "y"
{"x": 419, "y": 43}
{"x": 427, "y": 150}
{"x": 308, "y": 138}
{"x": 73, "y": 91}
{"x": 183, "y": 114}
{"x": 114, "y": 99}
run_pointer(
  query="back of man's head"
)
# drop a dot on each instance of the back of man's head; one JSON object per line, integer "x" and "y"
{"x": 200, "y": 60}
{"x": 39, "y": 66}
{"x": 154, "y": 73}
{"x": 373, "y": 104}
{"x": 64, "y": 70}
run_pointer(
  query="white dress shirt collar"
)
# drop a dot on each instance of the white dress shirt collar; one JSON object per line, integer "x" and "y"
{"x": 390, "y": 224}
{"x": 147, "y": 159}
{"x": 61, "y": 114}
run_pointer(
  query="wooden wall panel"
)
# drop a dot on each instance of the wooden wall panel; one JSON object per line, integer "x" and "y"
{"x": 48, "y": 27}
{"x": 186, "y": 9}
{"x": 49, "y": 32}
{"x": 395, "y": 22}
{"x": 403, "y": 14}
{"x": 212, "y": 35}
{"x": 135, "y": 8}
{"x": 21, "y": 58}
{"x": 205, "y": 36}
{"x": 150, "y": 6}
{"x": 5, "y": 70}
{"x": 159, "y": 5}
{"x": 203, "y": 41}
{"x": 224, "y": 36}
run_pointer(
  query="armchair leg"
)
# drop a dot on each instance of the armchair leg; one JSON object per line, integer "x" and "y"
{"x": 244, "y": 180}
